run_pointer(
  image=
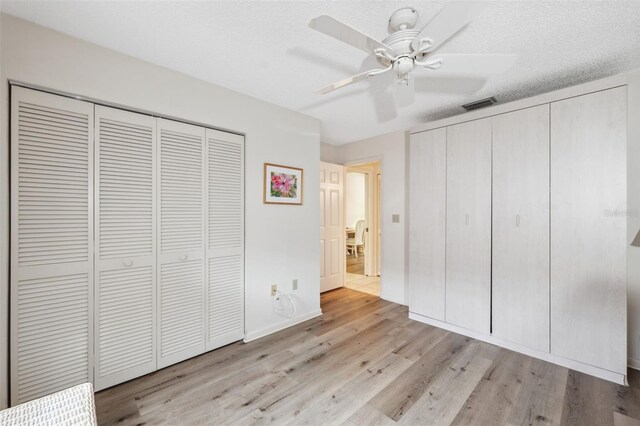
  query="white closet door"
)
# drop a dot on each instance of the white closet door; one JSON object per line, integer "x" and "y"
{"x": 468, "y": 288}
{"x": 225, "y": 242}
{"x": 332, "y": 233}
{"x": 125, "y": 246}
{"x": 51, "y": 243}
{"x": 520, "y": 288}
{"x": 427, "y": 227}
{"x": 181, "y": 268}
{"x": 588, "y": 229}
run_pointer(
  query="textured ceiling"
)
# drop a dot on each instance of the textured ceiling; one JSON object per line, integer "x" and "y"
{"x": 266, "y": 49}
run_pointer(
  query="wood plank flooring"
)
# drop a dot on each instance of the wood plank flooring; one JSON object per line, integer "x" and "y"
{"x": 355, "y": 265}
{"x": 364, "y": 363}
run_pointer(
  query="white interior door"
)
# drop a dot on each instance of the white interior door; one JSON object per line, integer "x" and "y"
{"x": 427, "y": 224}
{"x": 51, "y": 243}
{"x": 225, "y": 242}
{"x": 520, "y": 288}
{"x": 181, "y": 263}
{"x": 589, "y": 229}
{"x": 125, "y": 246}
{"x": 468, "y": 265}
{"x": 332, "y": 230}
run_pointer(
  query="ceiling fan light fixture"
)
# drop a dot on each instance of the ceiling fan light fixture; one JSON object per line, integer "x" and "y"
{"x": 403, "y": 66}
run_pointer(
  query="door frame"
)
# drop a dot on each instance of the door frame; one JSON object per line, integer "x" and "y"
{"x": 371, "y": 167}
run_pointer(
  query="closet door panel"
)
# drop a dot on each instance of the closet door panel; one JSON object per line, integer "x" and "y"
{"x": 588, "y": 229}
{"x": 125, "y": 246}
{"x": 468, "y": 262}
{"x": 520, "y": 287}
{"x": 51, "y": 243}
{"x": 427, "y": 245}
{"x": 181, "y": 294}
{"x": 225, "y": 243}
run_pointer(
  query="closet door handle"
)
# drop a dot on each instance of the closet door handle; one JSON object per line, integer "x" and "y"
{"x": 128, "y": 263}
{"x": 518, "y": 220}
{"x": 184, "y": 257}
{"x": 466, "y": 219}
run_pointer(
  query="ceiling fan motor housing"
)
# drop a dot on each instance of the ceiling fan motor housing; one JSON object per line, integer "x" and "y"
{"x": 400, "y": 42}
{"x": 401, "y": 28}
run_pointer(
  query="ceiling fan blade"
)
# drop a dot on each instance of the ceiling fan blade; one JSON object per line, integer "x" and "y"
{"x": 385, "y": 107}
{"x": 383, "y": 97}
{"x": 451, "y": 19}
{"x": 351, "y": 80}
{"x": 405, "y": 93}
{"x": 444, "y": 84}
{"x": 473, "y": 64}
{"x": 346, "y": 34}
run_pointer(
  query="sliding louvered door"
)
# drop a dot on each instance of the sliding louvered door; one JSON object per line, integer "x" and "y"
{"x": 125, "y": 246}
{"x": 225, "y": 243}
{"x": 51, "y": 236}
{"x": 181, "y": 272}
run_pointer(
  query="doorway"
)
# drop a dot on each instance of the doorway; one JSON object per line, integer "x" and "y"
{"x": 362, "y": 227}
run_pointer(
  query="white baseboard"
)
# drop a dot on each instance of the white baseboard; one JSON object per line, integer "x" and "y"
{"x": 253, "y": 335}
{"x": 611, "y": 376}
{"x": 633, "y": 363}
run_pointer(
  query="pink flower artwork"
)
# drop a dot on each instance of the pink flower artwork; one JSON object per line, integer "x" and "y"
{"x": 284, "y": 185}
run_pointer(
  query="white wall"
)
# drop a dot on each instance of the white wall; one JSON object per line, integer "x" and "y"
{"x": 633, "y": 220}
{"x": 390, "y": 149}
{"x": 354, "y": 206}
{"x": 39, "y": 56}
{"x": 328, "y": 153}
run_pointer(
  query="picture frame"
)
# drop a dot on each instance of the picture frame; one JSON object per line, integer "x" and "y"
{"x": 282, "y": 184}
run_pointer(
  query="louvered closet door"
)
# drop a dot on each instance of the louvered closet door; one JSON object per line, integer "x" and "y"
{"x": 51, "y": 236}
{"x": 125, "y": 246}
{"x": 181, "y": 272}
{"x": 225, "y": 243}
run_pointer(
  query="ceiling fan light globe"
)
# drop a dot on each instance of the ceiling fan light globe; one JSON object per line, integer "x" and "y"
{"x": 403, "y": 66}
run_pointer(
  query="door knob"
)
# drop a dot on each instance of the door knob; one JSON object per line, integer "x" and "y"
{"x": 184, "y": 257}
{"x": 128, "y": 263}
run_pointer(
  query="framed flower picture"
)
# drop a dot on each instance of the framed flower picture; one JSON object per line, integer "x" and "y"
{"x": 282, "y": 184}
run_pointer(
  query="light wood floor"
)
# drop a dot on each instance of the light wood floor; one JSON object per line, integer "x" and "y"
{"x": 355, "y": 265}
{"x": 363, "y": 362}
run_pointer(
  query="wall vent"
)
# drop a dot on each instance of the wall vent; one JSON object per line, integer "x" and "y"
{"x": 480, "y": 104}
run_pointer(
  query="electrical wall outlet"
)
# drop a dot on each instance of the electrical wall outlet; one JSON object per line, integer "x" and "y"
{"x": 274, "y": 288}
{"x": 295, "y": 284}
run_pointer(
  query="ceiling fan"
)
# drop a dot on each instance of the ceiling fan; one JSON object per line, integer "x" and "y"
{"x": 408, "y": 50}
